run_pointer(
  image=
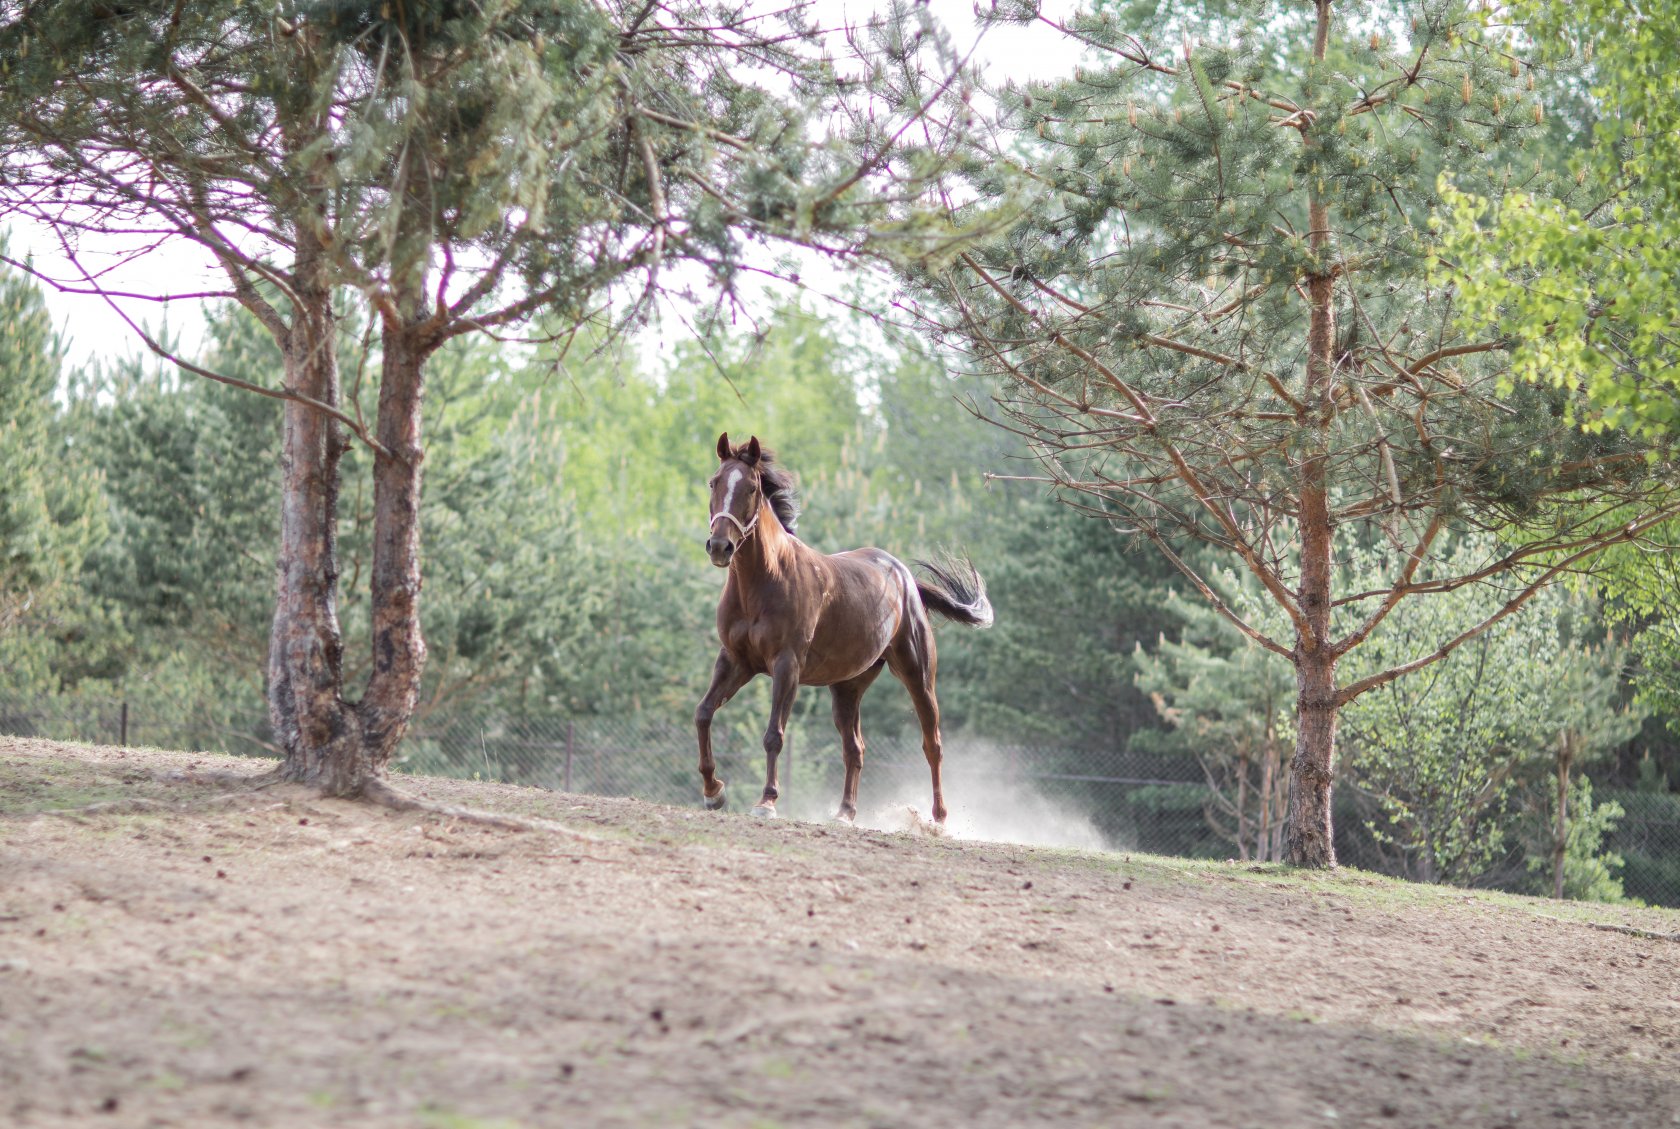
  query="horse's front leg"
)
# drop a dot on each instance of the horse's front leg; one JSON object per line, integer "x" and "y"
{"x": 784, "y": 684}
{"x": 728, "y": 676}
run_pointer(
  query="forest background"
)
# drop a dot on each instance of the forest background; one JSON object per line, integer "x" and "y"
{"x": 566, "y": 583}
{"x": 564, "y": 580}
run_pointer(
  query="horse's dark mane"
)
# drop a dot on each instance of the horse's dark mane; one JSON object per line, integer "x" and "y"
{"x": 780, "y": 489}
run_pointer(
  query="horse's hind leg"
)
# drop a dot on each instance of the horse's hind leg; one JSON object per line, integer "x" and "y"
{"x": 915, "y": 666}
{"x": 848, "y": 702}
{"x": 784, "y": 684}
{"x": 728, "y": 676}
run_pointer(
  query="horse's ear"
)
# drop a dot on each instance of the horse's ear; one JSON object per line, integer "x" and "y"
{"x": 723, "y": 447}
{"x": 750, "y": 455}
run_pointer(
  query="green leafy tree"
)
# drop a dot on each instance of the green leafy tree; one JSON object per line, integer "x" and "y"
{"x": 1446, "y": 756}
{"x": 1585, "y": 279}
{"x": 1581, "y": 867}
{"x": 1073, "y": 607}
{"x": 1214, "y": 320}
{"x": 1642, "y": 587}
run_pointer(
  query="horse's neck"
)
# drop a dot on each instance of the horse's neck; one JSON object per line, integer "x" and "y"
{"x": 766, "y": 556}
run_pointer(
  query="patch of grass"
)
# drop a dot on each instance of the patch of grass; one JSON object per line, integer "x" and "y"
{"x": 31, "y": 785}
{"x": 37, "y": 784}
{"x": 441, "y": 1117}
{"x": 1382, "y": 892}
{"x": 778, "y": 1068}
{"x": 187, "y": 1036}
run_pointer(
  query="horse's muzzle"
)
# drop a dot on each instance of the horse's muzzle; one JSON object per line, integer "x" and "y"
{"x": 720, "y": 550}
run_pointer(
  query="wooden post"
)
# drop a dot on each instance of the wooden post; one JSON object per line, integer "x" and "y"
{"x": 1560, "y": 829}
{"x": 122, "y": 727}
{"x": 568, "y": 775}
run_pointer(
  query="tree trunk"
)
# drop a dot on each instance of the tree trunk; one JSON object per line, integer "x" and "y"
{"x": 306, "y": 646}
{"x": 328, "y": 743}
{"x": 399, "y": 650}
{"x": 1309, "y": 840}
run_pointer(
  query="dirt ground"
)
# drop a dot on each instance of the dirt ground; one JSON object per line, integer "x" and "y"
{"x": 176, "y": 951}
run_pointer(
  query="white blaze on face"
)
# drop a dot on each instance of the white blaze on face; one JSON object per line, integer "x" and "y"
{"x": 735, "y": 477}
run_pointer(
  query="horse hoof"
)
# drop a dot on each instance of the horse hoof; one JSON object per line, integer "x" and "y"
{"x": 849, "y": 818}
{"x": 717, "y": 802}
{"x": 764, "y": 811}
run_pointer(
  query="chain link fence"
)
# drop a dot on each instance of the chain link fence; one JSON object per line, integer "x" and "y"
{"x": 1063, "y": 797}
{"x": 1114, "y": 799}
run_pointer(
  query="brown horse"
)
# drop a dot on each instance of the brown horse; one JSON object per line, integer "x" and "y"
{"x": 807, "y": 619}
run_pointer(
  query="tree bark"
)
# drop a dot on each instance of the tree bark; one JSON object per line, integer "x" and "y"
{"x": 1271, "y": 795}
{"x": 1309, "y": 840}
{"x": 399, "y": 649}
{"x": 330, "y": 744}
{"x": 306, "y": 645}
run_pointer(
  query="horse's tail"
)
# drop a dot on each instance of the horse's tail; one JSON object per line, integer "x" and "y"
{"x": 953, "y": 588}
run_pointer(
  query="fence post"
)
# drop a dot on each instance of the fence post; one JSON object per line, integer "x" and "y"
{"x": 122, "y": 727}
{"x": 568, "y": 786}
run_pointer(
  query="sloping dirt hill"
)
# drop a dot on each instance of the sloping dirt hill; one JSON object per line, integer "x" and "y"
{"x": 178, "y": 951}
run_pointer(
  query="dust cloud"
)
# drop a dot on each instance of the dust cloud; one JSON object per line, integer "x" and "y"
{"x": 987, "y": 798}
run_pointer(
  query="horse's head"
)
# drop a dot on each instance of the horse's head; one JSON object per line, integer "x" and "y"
{"x": 737, "y": 493}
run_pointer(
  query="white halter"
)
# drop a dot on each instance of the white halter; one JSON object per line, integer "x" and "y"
{"x": 746, "y": 530}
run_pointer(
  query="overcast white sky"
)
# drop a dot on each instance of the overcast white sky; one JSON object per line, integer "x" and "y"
{"x": 94, "y": 331}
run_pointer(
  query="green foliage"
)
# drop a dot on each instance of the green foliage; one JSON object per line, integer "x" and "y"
{"x": 564, "y": 514}
{"x": 1585, "y": 280}
{"x": 1589, "y": 870}
{"x": 49, "y": 512}
{"x": 1229, "y": 703}
{"x": 1147, "y": 315}
{"x": 1640, "y": 583}
{"x": 1590, "y": 300}
{"x": 189, "y": 468}
{"x": 1651, "y": 871}
{"x": 1445, "y": 754}
{"x": 1074, "y": 605}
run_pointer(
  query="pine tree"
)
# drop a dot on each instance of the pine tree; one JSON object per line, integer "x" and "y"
{"x": 1214, "y": 321}
{"x": 49, "y": 503}
{"x": 459, "y": 168}
{"x": 1225, "y": 702}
